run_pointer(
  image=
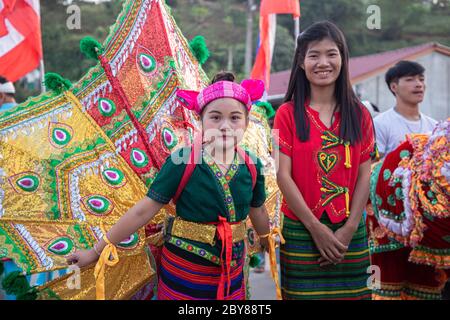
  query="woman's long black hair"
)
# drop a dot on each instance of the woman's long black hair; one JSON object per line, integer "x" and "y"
{"x": 299, "y": 88}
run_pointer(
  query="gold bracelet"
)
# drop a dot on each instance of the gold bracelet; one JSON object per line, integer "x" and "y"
{"x": 264, "y": 235}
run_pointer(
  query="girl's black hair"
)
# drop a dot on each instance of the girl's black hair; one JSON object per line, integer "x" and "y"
{"x": 223, "y": 76}
{"x": 299, "y": 89}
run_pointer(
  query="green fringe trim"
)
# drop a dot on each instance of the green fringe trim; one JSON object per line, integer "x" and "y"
{"x": 27, "y": 104}
{"x": 270, "y": 112}
{"x": 89, "y": 77}
{"x": 17, "y": 284}
{"x": 56, "y": 83}
{"x": 255, "y": 261}
{"x": 23, "y": 260}
{"x": 392, "y": 246}
{"x": 90, "y": 47}
{"x": 82, "y": 237}
{"x": 31, "y": 294}
{"x": 199, "y": 49}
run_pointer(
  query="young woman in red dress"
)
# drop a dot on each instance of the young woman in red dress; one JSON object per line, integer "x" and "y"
{"x": 326, "y": 139}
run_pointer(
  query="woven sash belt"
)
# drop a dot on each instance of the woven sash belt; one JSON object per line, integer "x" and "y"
{"x": 201, "y": 232}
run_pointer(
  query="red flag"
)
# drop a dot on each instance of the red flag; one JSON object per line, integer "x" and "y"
{"x": 267, "y": 26}
{"x": 20, "y": 38}
{"x": 281, "y": 6}
{"x": 261, "y": 68}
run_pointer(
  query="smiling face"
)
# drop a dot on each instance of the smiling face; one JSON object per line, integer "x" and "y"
{"x": 323, "y": 63}
{"x": 410, "y": 89}
{"x": 224, "y": 123}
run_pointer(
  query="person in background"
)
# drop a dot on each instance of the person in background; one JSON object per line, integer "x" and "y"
{"x": 406, "y": 81}
{"x": 7, "y": 95}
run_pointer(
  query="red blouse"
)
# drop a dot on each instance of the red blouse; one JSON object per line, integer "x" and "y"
{"x": 324, "y": 172}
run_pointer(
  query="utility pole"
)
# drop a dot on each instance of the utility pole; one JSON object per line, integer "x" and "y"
{"x": 249, "y": 38}
{"x": 230, "y": 58}
{"x": 41, "y": 63}
{"x": 296, "y": 29}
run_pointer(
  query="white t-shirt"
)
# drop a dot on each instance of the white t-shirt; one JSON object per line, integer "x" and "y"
{"x": 391, "y": 129}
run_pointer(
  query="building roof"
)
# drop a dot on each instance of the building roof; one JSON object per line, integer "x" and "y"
{"x": 365, "y": 66}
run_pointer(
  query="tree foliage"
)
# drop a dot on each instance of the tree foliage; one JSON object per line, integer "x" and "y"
{"x": 223, "y": 24}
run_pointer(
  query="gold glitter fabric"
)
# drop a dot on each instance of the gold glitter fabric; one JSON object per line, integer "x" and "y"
{"x": 205, "y": 233}
{"x": 122, "y": 281}
{"x": 40, "y": 222}
{"x": 57, "y": 188}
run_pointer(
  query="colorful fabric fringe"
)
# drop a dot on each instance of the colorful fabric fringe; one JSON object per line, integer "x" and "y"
{"x": 303, "y": 279}
{"x": 184, "y": 276}
{"x": 408, "y": 218}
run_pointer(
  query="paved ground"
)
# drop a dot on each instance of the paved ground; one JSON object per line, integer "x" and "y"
{"x": 262, "y": 286}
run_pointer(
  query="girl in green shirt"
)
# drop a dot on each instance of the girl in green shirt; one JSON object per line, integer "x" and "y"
{"x": 215, "y": 186}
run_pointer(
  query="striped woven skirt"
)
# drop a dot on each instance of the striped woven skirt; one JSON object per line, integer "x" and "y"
{"x": 303, "y": 278}
{"x": 185, "y": 276}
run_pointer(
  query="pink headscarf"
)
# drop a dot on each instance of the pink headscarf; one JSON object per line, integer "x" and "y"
{"x": 248, "y": 91}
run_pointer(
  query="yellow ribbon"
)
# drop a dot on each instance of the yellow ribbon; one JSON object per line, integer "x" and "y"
{"x": 273, "y": 258}
{"x": 347, "y": 202}
{"x": 347, "y": 163}
{"x": 109, "y": 251}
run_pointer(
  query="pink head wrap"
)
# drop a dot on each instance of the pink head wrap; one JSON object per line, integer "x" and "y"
{"x": 248, "y": 91}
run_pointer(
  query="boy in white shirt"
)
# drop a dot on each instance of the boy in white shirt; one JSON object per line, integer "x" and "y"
{"x": 406, "y": 81}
